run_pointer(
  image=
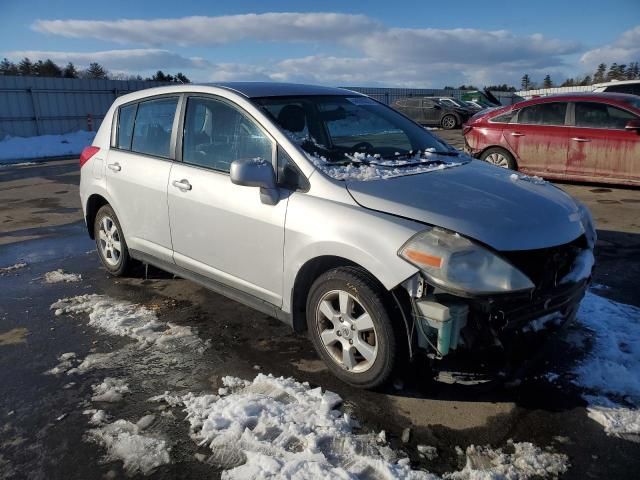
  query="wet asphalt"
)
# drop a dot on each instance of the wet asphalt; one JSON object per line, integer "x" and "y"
{"x": 42, "y": 428}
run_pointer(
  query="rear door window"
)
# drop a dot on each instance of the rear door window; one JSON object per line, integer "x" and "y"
{"x": 126, "y": 118}
{"x": 153, "y": 125}
{"x": 601, "y": 115}
{"x": 543, "y": 114}
{"x": 217, "y": 133}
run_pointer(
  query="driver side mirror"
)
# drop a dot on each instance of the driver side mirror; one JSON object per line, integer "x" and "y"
{"x": 256, "y": 172}
{"x": 633, "y": 125}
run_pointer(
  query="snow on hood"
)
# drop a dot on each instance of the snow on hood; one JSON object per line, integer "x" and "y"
{"x": 479, "y": 201}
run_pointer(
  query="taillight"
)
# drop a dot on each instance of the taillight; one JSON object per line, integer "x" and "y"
{"x": 87, "y": 153}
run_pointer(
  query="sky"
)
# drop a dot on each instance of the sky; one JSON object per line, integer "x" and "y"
{"x": 344, "y": 43}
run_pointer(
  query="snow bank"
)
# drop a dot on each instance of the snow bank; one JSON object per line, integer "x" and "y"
{"x": 123, "y": 441}
{"x": 12, "y": 268}
{"x": 44, "y": 146}
{"x": 59, "y": 276}
{"x": 525, "y": 461}
{"x": 126, "y": 319}
{"x": 611, "y": 371}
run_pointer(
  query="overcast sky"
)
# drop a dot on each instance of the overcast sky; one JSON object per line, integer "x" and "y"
{"x": 373, "y": 43}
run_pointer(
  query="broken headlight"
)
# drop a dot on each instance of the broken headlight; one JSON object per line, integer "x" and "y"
{"x": 454, "y": 262}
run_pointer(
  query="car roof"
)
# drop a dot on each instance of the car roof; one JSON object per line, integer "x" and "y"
{"x": 616, "y": 82}
{"x": 580, "y": 97}
{"x": 277, "y": 89}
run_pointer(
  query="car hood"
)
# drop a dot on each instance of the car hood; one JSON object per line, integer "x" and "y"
{"x": 502, "y": 209}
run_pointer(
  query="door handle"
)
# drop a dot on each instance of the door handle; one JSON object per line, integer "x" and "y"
{"x": 115, "y": 167}
{"x": 183, "y": 184}
{"x": 517, "y": 134}
{"x": 580, "y": 139}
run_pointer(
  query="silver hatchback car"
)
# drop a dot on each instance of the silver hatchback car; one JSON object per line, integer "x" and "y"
{"x": 340, "y": 216}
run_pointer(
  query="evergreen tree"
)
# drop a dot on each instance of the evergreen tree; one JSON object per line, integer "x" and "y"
{"x": 612, "y": 73}
{"x": 70, "y": 71}
{"x": 96, "y": 71}
{"x": 182, "y": 78}
{"x": 569, "y": 82}
{"x": 547, "y": 83}
{"x": 586, "y": 80}
{"x": 8, "y": 68}
{"x": 48, "y": 69}
{"x": 525, "y": 82}
{"x": 599, "y": 77}
{"x": 26, "y": 67}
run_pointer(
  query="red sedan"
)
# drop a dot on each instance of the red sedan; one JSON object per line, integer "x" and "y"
{"x": 585, "y": 137}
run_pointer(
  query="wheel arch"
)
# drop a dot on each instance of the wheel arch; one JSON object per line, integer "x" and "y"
{"x": 94, "y": 203}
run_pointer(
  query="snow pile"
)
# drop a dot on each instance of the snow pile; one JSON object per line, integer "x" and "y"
{"x": 44, "y": 146}
{"x": 123, "y": 441}
{"x": 515, "y": 177}
{"x": 582, "y": 267}
{"x": 12, "y": 268}
{"x": 279, "y": 428}
{"x": 525, "y": 461}
{"x": 59, "y": 276}
{"x": 110, "y": 390}
{"x": 379, "y": 169}
{"x": 126, "y": 319}
{"x": 611, "y": 371}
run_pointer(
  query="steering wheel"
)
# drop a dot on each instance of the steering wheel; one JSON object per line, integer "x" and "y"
{"x": 363, "y": 146}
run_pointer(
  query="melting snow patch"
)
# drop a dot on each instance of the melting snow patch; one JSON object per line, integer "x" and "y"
{"x": 515, "y": 177}
{"x": 130, "y": 320}
{"x": 582, "y": 267}
{"x": 110, "y": 390}
{"x": 12, "y": 268}
{"x": 611, "y": 371}
{"x": 65, "y": 364}
{"x": 59, "y": 276}
{"x": 526, "y": 461}
{"x": 123, "y": 441}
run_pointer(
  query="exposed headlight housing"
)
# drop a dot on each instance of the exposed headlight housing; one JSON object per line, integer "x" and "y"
{"x": 454, "y": 262}
{"x": 587, "y": 224}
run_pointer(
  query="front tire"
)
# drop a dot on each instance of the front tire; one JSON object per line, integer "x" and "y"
{"x": 449, "y": 122}
{"x": 350, "y": 327}
{"x": 110, "y": 242}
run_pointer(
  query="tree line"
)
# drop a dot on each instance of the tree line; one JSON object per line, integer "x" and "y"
{"x": 48, "y": 68}
{"x": 616, "y": 71}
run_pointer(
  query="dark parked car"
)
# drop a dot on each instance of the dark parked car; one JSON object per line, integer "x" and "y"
{"x": 432, "y": 111}
{"x": 593, "y": 137}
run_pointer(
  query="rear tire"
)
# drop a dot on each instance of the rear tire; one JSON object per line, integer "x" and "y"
{"x": 499, "y": 157}
{"x": 350, "y": 327}
{"x": 449, "y": 122}
{"x": 110, "y": 242}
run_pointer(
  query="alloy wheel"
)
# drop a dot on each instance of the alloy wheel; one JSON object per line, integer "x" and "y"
{"x": 110, "y": 241}
{"x": 498, "y": 159}
{"x": 346, "y": 331}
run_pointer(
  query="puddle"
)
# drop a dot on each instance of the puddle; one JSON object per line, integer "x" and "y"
{"x": 13, "y": 337}
{"x": 52, "y": 243}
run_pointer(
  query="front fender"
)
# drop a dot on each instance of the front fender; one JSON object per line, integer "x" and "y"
{"x": 317, "y": 227}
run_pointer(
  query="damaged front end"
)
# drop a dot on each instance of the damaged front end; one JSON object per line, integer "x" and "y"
{"x": 473, "y": 336}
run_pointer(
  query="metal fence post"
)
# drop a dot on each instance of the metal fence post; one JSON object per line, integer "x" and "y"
{"x": 35, "y": 110}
